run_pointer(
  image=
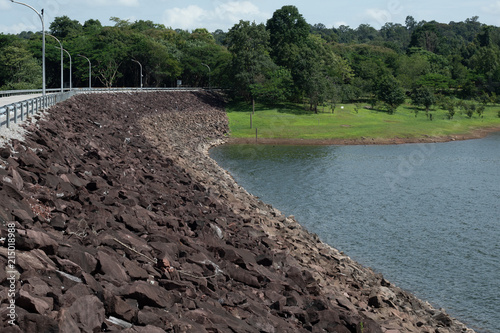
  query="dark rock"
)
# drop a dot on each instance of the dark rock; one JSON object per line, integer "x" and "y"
{"x": 295, "y": 274}
{"x": 443, "y": 319}
{"x": 147, "y": 317}
{"x": 264, "y": 260}
{"x": 40, "y": 305}
{"x": 134, "y": 270}
{"x": 39, "y": 287}
{"x": 32, "y": 322}
{"x": 58, "y": 221}
{"x": 148, "y": 294}
{"x": 4, "y": 152}
{"x": 243, "y": 276}
{"x": 17, "y": 180}
{"x": 79, "y": 255}
{"x": 10, "y": 190}
{"x": 22, "y": 215}
{"x": 85, "y": 315}
{"x": 111, "y": 267}
{"x": 148, "y": 329}
{"x": 120, "y": 308}
{"x": 31, "y": 239}
{"x": 74, "y": 294}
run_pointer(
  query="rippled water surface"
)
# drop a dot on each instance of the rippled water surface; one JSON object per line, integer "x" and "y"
{"x": 426, "y": 216}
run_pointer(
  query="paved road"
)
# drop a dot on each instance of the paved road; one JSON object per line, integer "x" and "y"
{"x": 16, "y": 98}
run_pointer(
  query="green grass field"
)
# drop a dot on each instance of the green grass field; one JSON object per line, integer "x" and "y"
{"x": 294, "y": 122}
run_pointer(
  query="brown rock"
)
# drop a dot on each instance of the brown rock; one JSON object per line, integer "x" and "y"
{"x": 80, "y": 256}
{"x": 112, "y": 268}
{"x": 39, "y": 287}
{"x": 148, "y": 294}
{"x": 85, "y": 315}
{"x": 40, "y": 305}
{"x": 17, "y": 180}
{"x": 4, "y": 152}
{"x": 147, "y": 329}
{"x": 242, "y": 275}
{"x": 134, "y": 270}
{"x": 122, "y": 309}
{"x": 74, "y": 294}
{"x": 35, "y": 259}
{"x": 31, "y": 239}
{"x": 32, "y": 322}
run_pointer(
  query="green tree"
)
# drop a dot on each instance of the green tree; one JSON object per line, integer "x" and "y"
{"x": 274, "y": 87}
{"x": 220, "y": 36}
{"x": 437, "y": 82}
{"x": 366, "y": 34}
{"x": 395, "y": 36}
{"x": 18, "y": 69}
{"x": 158, "y": 64}
{"x": 63, "y": 26}
{"x": 317, "y": 69}
{"x": 448, "y": 104}
{"x": 288, "y": 33}
{"x": 389, "y": 91}
{"x": 329, "y": 35}
{"x": 423, "y": 96}
{"x": 426, "y": 37}
{"x": 411, "y": 69}
{"x": 107, "y": 50}
{"x": 249, "y": 46}
{"x": 346, "y": 34}
{"x": 92, "y": 26}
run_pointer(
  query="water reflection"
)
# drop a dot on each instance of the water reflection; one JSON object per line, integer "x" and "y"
{"x": 430, "y": 225}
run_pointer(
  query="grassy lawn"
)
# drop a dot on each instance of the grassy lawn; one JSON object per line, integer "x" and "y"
{"x": 293, "y": 122}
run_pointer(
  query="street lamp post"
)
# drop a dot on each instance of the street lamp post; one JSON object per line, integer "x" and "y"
{"x": 43, "y": 41}
{"x": 62, "y": 64}
{"x": 70, "y": 70}
{"x": 141, "y": 69}
{"x": 90, "y": 70}
{"x": 209, "y": 70}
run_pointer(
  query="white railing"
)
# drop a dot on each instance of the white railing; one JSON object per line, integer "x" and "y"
{"x": 18, "y": 111}
{"x": 21, "y": 110}
{"x": 7, "y": 93}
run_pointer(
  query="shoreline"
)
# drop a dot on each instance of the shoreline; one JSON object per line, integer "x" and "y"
{"x": 394, "y": 309}
{"x": 129, "y": 217}
{"x": 479, "y": 133}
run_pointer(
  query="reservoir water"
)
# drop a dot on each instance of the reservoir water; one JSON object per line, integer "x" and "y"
{"x": 426, "y": 216}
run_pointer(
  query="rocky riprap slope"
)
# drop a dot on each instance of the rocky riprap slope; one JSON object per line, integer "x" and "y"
{"x": 125, "y": 224}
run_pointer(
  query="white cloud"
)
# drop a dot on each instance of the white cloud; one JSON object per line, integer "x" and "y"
{"x": 4, "y": 4}
{"x": 492, "y": 8}
{"x": 17, "y": 28}
{"x": 129, "y": 3}
{"x": 223, "y": 16}
{"x": 378, "y": 16}
{"x": 235, "y": 10}
{"x": 185, "y": 18}
{"x": 104, "y": 3}
{"x": 338, "y": 24}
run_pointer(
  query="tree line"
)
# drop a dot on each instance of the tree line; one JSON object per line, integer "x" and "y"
{"x": 285, "y": 59}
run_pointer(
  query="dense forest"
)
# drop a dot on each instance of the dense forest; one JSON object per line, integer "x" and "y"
{"x": 285, "y": 59}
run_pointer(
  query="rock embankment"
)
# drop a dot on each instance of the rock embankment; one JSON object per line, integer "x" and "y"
{"x": 123, "y": 223}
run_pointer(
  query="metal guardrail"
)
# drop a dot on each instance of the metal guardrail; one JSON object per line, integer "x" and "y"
{"x": 20, "y": 110}
{"x": 23, "y": 109}
{"x": 7, "y": 93}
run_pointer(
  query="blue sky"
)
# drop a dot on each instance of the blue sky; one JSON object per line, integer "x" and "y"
{"x": 223, "y": 14}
